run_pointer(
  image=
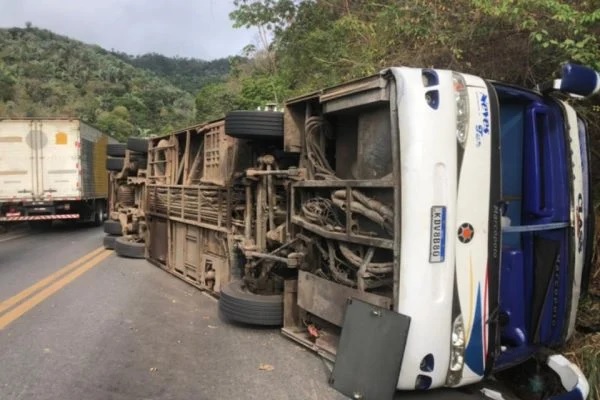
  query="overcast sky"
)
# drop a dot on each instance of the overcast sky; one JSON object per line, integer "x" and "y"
{"x": 187, "y": 28}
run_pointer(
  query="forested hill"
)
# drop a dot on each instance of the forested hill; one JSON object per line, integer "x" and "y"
{"x": 188, "y": 74}
{"x": 45, "y": 74}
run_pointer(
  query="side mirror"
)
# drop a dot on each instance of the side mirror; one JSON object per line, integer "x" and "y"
{"x": 579, "y": 80}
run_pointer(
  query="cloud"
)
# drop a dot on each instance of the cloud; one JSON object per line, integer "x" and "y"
{"x": 199, "y": 28}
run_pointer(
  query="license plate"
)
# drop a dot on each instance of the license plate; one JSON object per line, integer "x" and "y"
{"x": 437, "y": 242}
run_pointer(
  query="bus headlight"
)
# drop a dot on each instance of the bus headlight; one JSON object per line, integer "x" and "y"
{"x": 461, "y": 97}
{"x": 457, "y": 352}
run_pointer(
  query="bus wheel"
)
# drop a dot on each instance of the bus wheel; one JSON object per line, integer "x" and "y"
{"x": 238, "y": 304}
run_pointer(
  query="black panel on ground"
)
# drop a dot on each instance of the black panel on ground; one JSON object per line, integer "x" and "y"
{"x": 370, "y": 352}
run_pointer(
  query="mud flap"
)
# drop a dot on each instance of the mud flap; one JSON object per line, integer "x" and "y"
{"x": 369, "y": 355}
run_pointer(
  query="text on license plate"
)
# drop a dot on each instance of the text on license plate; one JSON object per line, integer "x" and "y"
{"x": 437, "y": 241}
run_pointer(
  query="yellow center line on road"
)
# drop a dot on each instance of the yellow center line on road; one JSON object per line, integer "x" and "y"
{"x": 5, "y": 305}
{"x": 30, "y": 303}
{"x": 27, "y": 305}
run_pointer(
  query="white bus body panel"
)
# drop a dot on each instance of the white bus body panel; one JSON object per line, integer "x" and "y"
{"x": 429, "y": 167}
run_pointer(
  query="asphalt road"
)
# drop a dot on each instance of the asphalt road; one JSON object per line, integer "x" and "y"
{"x": 104, "y": 327}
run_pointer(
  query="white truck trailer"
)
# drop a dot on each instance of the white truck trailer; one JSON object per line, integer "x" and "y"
{"x": 52, "y": 169}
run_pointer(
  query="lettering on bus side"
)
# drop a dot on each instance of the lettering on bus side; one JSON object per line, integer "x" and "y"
{"x": 556, "y": 291}
{"x": 437, "y": 241}
{"x": 483, "y": 128}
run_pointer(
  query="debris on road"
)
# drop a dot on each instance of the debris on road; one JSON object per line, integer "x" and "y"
{"x": 266, "y": 367}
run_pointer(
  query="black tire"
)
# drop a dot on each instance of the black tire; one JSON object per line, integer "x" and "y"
{"x": 137, "y": 144}
{"x": 99, "y": 214}
{"x": 115, "y": 164}
{"x": 113, "y": 227}
{"x": 254, "y": 124}
{"x": 116, "y": 149}
{"x": 238, "y": 304}
{"x": 109, "y": 241}
{"x": 125, "y": 248}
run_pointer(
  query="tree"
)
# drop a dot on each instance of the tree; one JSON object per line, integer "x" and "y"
{"x": 115, "y": 123}
{"x": 214, "y": 101}
{"x": 7, "y": 84}
{"x": 272, "y": 15}
{"x": 316, "y": 43}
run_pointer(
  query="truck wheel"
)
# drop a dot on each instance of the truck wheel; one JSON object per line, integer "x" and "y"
{"x": 116, "y": 149}
{"x": 115, "y": 164}
{"x": 240, "y": 305}
{"x": 129, "y": 249}
{"x": 113, "y": 227}
{"x": 137, "y": 144}
{"x": 254, "y": 124}
{"x": 99, "y": 214}
{"x": 109, "y": 241}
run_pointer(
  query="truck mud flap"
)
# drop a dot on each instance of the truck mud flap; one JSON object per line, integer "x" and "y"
{"x": 370, "y": 352}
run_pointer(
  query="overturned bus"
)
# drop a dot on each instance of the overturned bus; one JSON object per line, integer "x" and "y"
{"x": 422, "y": 227}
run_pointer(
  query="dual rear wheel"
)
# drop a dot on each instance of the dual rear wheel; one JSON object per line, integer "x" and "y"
{"x": 124, "y": 246}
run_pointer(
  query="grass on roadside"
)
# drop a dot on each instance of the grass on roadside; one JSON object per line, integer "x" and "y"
{"x": 584, "y": 350}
